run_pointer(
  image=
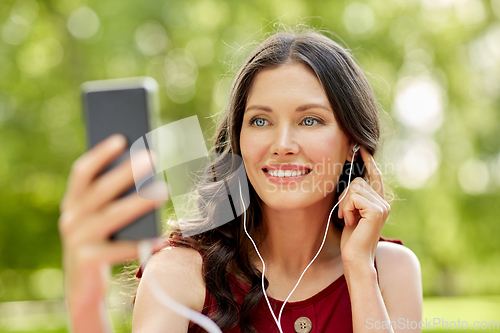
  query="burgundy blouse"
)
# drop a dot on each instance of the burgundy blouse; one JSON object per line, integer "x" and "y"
{"x": 329, "y": 310}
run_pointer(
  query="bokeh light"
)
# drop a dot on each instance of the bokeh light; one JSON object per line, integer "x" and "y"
{"x": 484, "y": 53}
{"x": 151, "y": 38}
{"x": 419, "y": 104}
{"x": 83, "y": 23}
{"x": 181, "y": 73}
{"x": 14, "y": 33}
{"x": 24, "y": 12}
{"x": 359, "y": 18}
{"x": 37, "y": 58}
{"x": 470, "y": 12}
{"x": 47, "y": 283}
{"x": 418, "y": 161}
{"x": 474, "y": 176}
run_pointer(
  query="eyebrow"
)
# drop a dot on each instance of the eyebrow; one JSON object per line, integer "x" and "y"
{"x": 300, "y": 108}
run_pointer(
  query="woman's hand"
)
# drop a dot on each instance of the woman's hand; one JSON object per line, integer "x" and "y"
{"x": 365, "y": 211}
{"x": 90, "y": 213}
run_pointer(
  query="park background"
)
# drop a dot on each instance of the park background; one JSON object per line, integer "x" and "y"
{"x": 434, "y": 66}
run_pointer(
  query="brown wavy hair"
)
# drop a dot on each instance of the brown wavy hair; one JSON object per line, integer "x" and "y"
{"x": 226, "y": 248}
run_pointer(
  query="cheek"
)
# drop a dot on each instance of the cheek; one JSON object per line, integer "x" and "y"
{"x": 325, "y": 153}
{"x": 253, "y": 149}
{"x": 321, "y": 145}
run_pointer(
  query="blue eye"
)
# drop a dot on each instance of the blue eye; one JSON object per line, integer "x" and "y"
{"x": 258, "y": 121}
{"x": 309, "y": 121}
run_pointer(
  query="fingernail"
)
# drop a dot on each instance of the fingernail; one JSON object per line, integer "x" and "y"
{"x": 116, "y": 141}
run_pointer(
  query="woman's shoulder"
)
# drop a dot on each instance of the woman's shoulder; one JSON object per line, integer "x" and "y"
{"x": 396, "y": 264}
{"x": 179, "y": 271}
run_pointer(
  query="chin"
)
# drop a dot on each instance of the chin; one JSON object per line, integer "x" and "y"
{"x": 287, "y": 201}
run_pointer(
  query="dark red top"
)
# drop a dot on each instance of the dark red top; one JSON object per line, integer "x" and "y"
{"x": 329, "y": 310}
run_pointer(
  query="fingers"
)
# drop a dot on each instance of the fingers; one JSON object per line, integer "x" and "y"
{"x": 111, "y": 184}
{"x": 85, "y": 169}
{"x": 112, "y": 218}
{"x": 374, "y": 174}
{"x": 348, "y": 210}
{"x": 103, "y": 189}
{"x": 361, "y": 187}
{"x": 360, "y": 183}
{"x": 367, "y": 209}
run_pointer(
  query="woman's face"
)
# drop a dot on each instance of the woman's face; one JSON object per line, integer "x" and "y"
{"x": 289, "y": 129}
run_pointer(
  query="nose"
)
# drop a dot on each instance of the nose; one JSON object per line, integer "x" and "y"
{"x": 285, "y": 142}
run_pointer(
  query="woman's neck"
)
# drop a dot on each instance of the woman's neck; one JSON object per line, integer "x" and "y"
{"x": 295, "y": 236}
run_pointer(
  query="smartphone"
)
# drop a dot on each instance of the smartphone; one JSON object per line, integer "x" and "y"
{"x": 127, "y": 106}
{"x": 358, "y": 170}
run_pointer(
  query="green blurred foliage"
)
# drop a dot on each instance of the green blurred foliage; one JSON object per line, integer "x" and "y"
{"x": 48, "y": 48}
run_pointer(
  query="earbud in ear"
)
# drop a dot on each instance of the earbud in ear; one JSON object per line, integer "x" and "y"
{"x": 355, "y": 148}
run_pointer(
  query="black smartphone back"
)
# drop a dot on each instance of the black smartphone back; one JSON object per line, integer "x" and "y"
{"x": 358, "y": 170}
{"x": 125, "y": 106}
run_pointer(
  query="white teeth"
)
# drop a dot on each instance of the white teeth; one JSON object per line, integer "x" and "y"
{"x": 286, "y": 173}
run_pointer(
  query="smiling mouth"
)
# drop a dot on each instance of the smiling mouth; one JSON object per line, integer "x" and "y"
{"x": 286, "y": 173}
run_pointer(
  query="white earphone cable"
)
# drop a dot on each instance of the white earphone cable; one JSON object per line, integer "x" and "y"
{"x": 145, "y": 251}
{"x": 278, "y": 320}
{"x": 258, "y": 253}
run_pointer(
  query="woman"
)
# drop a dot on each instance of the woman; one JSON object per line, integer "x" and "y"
{"x": 298, "y": 103}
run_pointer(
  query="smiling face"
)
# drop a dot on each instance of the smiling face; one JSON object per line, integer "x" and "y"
{"x": 291, "y": 144}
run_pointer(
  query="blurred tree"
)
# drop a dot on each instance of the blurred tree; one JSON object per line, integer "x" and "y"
{"x": 434, "y": 65}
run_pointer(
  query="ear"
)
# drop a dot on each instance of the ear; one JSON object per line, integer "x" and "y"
{"x": 353, "y": 148}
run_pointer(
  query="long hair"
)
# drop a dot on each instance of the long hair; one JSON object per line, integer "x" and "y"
{"x": 226, "y": 248}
